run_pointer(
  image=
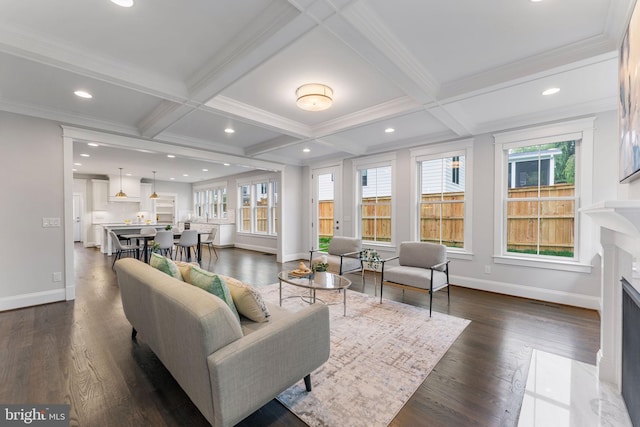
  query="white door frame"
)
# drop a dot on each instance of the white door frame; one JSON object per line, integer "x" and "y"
{"x": 336, "y": 170}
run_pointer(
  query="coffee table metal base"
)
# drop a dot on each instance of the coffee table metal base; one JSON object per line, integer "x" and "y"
{"x": 326, "y": 282}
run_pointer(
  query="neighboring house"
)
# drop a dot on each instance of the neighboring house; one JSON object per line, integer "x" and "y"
{"x": 523, "y": 168}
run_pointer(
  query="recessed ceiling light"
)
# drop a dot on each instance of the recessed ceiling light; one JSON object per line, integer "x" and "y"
{"x": 77, "y": 164}
{"x": 93, "y": 144}
{"x": 127, "y": 174}
{"x": 229, "y": 130}
{"x": 123, "y": 3}
{"x": 389, "y": 130}
{"x": 227, "y": 164}
{"x": 306, "y": 150}
{"x": 171, "y": 179}
{"x": 185, "y": 174}
{"x": 205, "y": 170}
{"x": 141, "y": 150}
{"x": 83, "y": 94}
{"x": 171, "y": 156}
{"x": 535, "y": 1}
{"x": 551, "y": 91}
{"x": 84, "y": 155}
{"x": 74, "y": 170}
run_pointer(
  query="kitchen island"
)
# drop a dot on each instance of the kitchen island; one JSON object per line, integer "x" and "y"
{"x": 106, "y": 246}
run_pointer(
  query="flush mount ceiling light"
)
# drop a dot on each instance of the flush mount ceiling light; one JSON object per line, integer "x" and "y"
{"x": 551, "y": 91}
{"x": 154, "y": 195}
{"x": 83, "y": 94}
{"x": 314, "y": 97}
{"x": 121, "y": 194}
{"x": 123, "y": 3}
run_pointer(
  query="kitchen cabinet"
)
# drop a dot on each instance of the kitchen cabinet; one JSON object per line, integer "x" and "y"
{"x": 225, "y": 236}
{"x": 165, "y": 210}
{"x": 100, "y": 191}
{"x": 95, "y": 236}
{"x": 146, "y": 204}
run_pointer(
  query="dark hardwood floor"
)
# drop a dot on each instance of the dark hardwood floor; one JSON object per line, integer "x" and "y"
{"x": 80, "y": 352}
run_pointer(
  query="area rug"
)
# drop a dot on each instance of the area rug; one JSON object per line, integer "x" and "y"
{"x": 380, "y": 354}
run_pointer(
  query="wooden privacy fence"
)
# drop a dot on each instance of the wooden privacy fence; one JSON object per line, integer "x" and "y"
{"x": 555, "y": 229}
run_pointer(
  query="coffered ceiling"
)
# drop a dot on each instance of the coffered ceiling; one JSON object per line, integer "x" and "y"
{"x": 182, "y": 71}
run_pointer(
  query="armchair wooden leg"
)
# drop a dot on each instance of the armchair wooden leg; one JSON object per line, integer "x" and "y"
{"x": 307, "y": 382}
{"x": 133, "y": 333}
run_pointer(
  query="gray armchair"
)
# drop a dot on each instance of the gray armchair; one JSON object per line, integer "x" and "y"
{"x": 423, "y": 268}
{"x": 343, "y": 255}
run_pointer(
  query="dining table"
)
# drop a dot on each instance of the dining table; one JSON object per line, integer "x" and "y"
{"x": 176, "y": 234}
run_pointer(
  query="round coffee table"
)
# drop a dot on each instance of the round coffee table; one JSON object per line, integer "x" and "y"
{"x": 323, "y": 281}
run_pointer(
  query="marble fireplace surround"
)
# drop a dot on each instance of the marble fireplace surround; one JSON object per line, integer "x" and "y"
{"x": 619, "y": 222}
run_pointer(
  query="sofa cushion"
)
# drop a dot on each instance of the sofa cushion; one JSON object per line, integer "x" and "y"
{"x": 185, "y": 269}
{"x": 213, "y": 284}
{"x": 248, "y": 300}
{"x": 166, "y": 265}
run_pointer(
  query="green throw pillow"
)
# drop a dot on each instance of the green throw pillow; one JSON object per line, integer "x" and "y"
{"x": 166, "y": 265}
{"x": 213, "y": 284}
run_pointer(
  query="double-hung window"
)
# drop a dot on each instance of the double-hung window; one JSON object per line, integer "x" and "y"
{"x": 539, "y": 179}
{"x": 443, "y": 194}
{"x": 374, "y": 201}
{"x": 210, "y": 201}
{"x": 257, "y": 213}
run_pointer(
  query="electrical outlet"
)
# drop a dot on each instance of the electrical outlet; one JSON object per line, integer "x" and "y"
{"x": 50, "y": 222}
{"x": 487, "y": 269}
{"x": 57, "y": 276}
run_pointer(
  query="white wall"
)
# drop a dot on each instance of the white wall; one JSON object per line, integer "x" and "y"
{"x": 31, "y": 185}
{"x": 567, "y": 287}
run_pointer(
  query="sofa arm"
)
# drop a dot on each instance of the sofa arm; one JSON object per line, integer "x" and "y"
{"x": 251, "y": 371}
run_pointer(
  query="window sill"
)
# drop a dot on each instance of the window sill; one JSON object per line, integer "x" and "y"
{"x": 264, "y": 236}
{"x": 467, "y": 256}
{"x": 573, "y": 266}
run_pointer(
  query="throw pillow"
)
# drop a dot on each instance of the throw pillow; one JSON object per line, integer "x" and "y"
{"x": 248, "y": 300}
{"x": 213, "y": 284}
{"x": 185, "y": 269}
{"x": 166, "y": 265}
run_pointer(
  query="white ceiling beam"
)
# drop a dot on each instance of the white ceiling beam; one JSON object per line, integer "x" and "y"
{"x": 48, "y": 52}
{"x": 272, "y": 145}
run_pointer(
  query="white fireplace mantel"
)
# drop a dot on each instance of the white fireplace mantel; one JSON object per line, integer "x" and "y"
{"x": 619, "y": 222}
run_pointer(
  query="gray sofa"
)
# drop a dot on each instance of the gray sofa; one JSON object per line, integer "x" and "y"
{"x": 228, "y": 369}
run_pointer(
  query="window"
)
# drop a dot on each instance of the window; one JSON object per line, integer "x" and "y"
{"x": 442, "y": 197}
{"x": 543, "y": 175}
{"x": 375, "y": 203}
{"x": 210, "y": 201}
{"x": 257, "y": 213}
{"x": 441, "y": 200}
{"x": 541, "y": 199}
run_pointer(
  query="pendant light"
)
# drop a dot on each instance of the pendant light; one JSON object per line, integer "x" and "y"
{"x": 121, "y": 194}
{"x": 154, "y": 195}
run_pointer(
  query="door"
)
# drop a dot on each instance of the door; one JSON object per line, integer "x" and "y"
{"x": 326, "y": 206}
{"x": 77, "y": 217}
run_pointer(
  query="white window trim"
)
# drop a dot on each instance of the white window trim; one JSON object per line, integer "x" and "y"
{"x": 581, "y": 129}
{"x": 381, "y": 160}
{"x": 211, "y": 186}
{"x": 438, "y": 151}
{"x": 269, "y": 179}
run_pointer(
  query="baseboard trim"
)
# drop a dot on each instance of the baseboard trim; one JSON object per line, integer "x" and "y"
{"x": 296, "y": 257}
{"x": 28, "y": 300}
{"x": 256, "y": 248}
{"x": 547, "y": 295}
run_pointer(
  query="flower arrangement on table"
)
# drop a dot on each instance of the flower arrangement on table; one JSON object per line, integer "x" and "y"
{"x": 168, "y": 227}
{"x": 323, "y": 265}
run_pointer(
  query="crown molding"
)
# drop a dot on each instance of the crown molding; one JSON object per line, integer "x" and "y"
{"x": 60, "y": 117}
{"x": 575, "y": 110}
{"x": 396, "y": 60}
{"x": 256, "y": 116}
{"x": 220, "y": 147}
{"x": 49, "y": 52}
{"x": 576, "y": 55}
{"x": 272, "y": 145}
{"x": 393, "y": 108}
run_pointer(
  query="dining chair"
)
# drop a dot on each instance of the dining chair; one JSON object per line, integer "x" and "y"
{"x": 208, "y": 241}
{"x": 122, "y": 248}
{"x": 188, "y": 240}
{"x": 164, "y": 242}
